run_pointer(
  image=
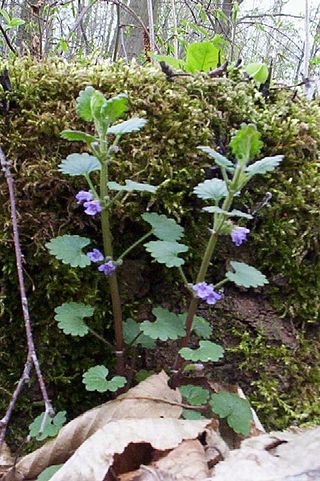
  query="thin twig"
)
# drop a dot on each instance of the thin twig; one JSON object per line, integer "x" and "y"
{"x": 32, "y": 359}
{"x": 7, "y": 39}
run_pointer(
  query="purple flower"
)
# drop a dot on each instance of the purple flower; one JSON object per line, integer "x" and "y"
{"x": 108, "y": 268}
{"x": 83, "y": 196}
{"x": 92, "y": 207}
{"x": 95, "y": 255}
{"x": 239, "y": 235}
{"x": 206, "y": 292}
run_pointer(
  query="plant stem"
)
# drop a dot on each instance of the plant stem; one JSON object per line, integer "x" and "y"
{"x": 135, "y": 244}
{"x": 101, "y": 338}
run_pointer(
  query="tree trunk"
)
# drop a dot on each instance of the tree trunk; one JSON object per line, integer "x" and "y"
{"x": 223, "y": 26}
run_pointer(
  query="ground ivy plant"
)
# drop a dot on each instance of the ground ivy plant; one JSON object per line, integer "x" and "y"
{"x": 163, "y": 242}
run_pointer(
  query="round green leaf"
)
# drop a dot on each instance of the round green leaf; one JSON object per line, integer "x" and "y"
{"x": 163, "y": 227}
{"x": 195, "y": 395}
{"x": 245, "y": 275}
{"x": 51, "y": 428}
{"x": 79, "y": 164}
{"x": 236, "y": 410}
{"x": 131, "y": 330}
{"x": 200, "y": 326}
{"x": 68, "y": 249}
{"x": 70, "y": 317}
{"x": 128, "y": 126}
{"x": 258, "y": 71}
{"x": 167, "y": 326}
{"x": 95, "y": 380}
{"x": 211, "y": 189}
{"x": 192, "y": 415}
{"x": 208, "y": 351}
{"x": 166, "y": 252}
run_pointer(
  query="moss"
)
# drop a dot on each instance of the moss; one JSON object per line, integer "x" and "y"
{"x": 181, "y": 115}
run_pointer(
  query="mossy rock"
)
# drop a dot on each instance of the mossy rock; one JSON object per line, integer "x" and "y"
{"x": 181, "y": 115}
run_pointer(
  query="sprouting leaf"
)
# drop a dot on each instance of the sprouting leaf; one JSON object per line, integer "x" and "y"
{"x": 264, "y": 165}
{"x": 51, "y": 428}
{"x": 236, "y": 410}
{"x": 200, "y": 325}
{"x": 214, "y": 209}
{"x": 202, "y": 57}
{"x": 97, "y": 103}
{"x": 245, "y": 275}
{"x": 246, "y": 143}
{"x": 211, "y": 189}
{"x": 167, "y": 326}
{"x": 95, "y": 380}
{"x": 48, "y": 473}
{"x": 220, "y": 160}
{"x": 195, "y": 395}
{"x": 258, "y": 71}
{"x": 208, "y": 351}
{"x": 163, "y": 227}
{"x": 79, "y": 164}
{"x": 70, "y": 317}
{"x": 77, "y": 135}
{"x": 128, "y": 126}
{"x": 84, "y": 103}
{"x": 166, "y": 252}
{"x": 192, "y": 415}
{"x": 115, "y": 107}
{"x": 131, "y": 330}
{"x": 68, "y": 249}
{"x": 131, "y": 186}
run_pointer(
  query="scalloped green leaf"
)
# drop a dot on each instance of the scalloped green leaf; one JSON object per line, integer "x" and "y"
{"x": 214, "y": 209}
{"x": 51, "y": 428}
{"x": 200, "y": 326}
{"x": 115, "y": 107}
{"x": 84, "y": 103}
{"x": 132, "y": 125}
{"x": 131, "y": 186}
{"x": 163, "y": 227}
{"x": 195, "y": 395}
{"x": 48, "y": 473}
{"x": 70, "y": 317}
{"x": 167, "y": 326}
{"x": 95, "y": 380}
{"x": 211, "y": 189}
{"x": 246, "y": 143}
{"x": 236, "y": 410}
{"x": 166, "y": 252}
{"x": 267, "y": 164}
{"x": 208, "y": 351}
{"x": 246, "y": 276}
{"x": 68, "y": 249}
{"x": 79, "y": 164}
{"x": 131, "y": 329}
{"x": 219, "y": 159}
{"x": 77, "y": 136}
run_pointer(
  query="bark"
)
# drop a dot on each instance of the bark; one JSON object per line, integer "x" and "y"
{"x": 224, "y": 26}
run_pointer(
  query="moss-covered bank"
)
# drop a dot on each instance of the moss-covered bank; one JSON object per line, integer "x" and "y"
{"x": 181, "y": 115}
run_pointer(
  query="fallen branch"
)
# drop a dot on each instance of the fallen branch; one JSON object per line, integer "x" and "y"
{"x": 32, "y": 359}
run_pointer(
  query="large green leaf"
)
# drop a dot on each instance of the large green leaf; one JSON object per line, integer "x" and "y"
{"x": 258, "y": 71}
{"x": 131, "y": 330}
{"x": 163, "y": 227}
{"x": 202, "y": 57}
{"x": 79, "y": 164}
{"x": 246, "y": 143}
{"x": 236, "y": 410}
{"x": 264, "y": 165}
{"x": 213, "y": 209}
{"x": 219, "y": 159}
{"x": 68, "y": 249}
{"x": 166, "y": 252}
{"x": 214, "y": 189}
{"x": 95, "y": 380}
{"x": 70, "y": 317}
{"x": 167, "y": 326}
{"x": 195, "y": 395}
{"x": 115, "y": 107}
{"x": 51, "y": 427}
{"x": 84, "y": 103}
{"x": 48, "y": 473}
{"x": 246, "y": 276}
{"x": 208, "y": 351}
{"x": 128, "y": 126}
{"x": 131, "y": 186}
{"x": 77, "y": 135}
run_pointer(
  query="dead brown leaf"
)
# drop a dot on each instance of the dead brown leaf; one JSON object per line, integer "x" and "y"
{"x": 128, "y": 405}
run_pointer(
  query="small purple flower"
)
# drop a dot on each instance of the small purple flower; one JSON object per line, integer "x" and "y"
{"x": 239, "y": 235}
{"x": 83, "y": 196}
{"x": 92, "y": 207}
{"x": 108, "y": 268}
{"x": 206, "y": 292}
{"x": 95, "y": 255}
